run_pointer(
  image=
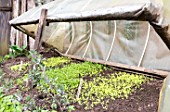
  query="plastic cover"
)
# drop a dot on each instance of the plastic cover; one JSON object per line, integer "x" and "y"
{"x": 164, "y": 104}
{"x": 135, "y": 32}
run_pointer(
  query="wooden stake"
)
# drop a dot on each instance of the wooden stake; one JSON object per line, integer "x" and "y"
{"x": 28, "y": 42}
{"x": 27, "y": 36}
{"x": 42, "y": 23}
{"x": 79, "y": 88}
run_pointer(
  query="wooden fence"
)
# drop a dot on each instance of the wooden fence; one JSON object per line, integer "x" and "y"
{"x": 11, "y": 9}
{"x": 5, "y": 16}
{"x": 17, "y": 37}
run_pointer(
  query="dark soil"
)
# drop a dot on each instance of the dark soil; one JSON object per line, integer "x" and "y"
{"x": 7, "y": 64}
{"x": 144, "y": 99}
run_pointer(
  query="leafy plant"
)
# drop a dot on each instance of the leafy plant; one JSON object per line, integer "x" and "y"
{"x": 18, "y": 51}
{"x": 38, "y": 77}
{"x": 9, "y": 103}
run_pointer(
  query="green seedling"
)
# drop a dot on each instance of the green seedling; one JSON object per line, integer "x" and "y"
{"x": 102, "y": 89}
{"x": 55, "y": 61}
{"x": 20, "y": 68}
{"x": 69, "y": 74}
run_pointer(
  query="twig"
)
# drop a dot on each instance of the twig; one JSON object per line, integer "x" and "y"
{"x": 20, "y": 67}
{"x": 79, "y": 88}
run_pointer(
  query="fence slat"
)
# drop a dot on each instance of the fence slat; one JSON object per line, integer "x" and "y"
{"x": 5, "y": 28}
{"x": 42, "y": 23}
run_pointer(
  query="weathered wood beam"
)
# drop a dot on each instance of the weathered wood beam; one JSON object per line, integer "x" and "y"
{"x": 6, "y": 9}
{"x": 41, "y": 25}
{"x": 5, "y": 17}
{"x": 19, "y": 34}
{"x": 123, "y": 66}
{"x": 27, "y": 37}
{"x": 118, "y": 66}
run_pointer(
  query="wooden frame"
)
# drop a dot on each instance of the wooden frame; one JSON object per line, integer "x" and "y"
{"x": 124, "y": 67}
{"x": 42, "y": 23}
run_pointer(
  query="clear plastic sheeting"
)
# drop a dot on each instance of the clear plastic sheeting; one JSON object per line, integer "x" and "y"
{"x": 132, "y": 32}
{"x": 164, "y": 103}
{"x": 155, "y": 11}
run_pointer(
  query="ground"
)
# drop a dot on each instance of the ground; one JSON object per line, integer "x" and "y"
{"x": 143, "y": 99}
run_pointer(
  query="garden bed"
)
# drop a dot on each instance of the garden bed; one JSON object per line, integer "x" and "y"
{"x": 101, "y": 88}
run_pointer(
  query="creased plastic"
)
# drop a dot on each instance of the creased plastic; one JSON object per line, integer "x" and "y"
{"x": 164, "y": 103}
{"x": 134, "y": 32}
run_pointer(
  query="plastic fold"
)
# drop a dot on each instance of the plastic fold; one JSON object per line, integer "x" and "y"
{"x": 133, "y": 32}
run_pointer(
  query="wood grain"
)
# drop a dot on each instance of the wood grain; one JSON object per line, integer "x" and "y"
{"x": 5, "y": 28}
{"x": 42, "y": 23}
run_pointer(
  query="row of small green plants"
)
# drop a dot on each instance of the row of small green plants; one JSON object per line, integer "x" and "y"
{"x": 66, "y": 78}
{"x": 35, "y": 75}
{"x": 48, "y": 63}
{"x": 102, "y": 89}
{"x": 62, "y": 83}
{"x": 38, "y": 78}
{"x": 69, "y": 75}
{"x": 99, "y": 90}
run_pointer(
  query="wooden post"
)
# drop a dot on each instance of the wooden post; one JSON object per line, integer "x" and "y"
{"x": 24, "y": 38}
{"x": 16, "y": 36}
{"x": 19, "y": 34}
{"x": 5, "y": 16}
{"x": 27, "y": 37}
{"x": 41, "y": 25}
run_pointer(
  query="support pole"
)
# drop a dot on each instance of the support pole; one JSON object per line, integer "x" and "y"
{"x": 41, "y": 25}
